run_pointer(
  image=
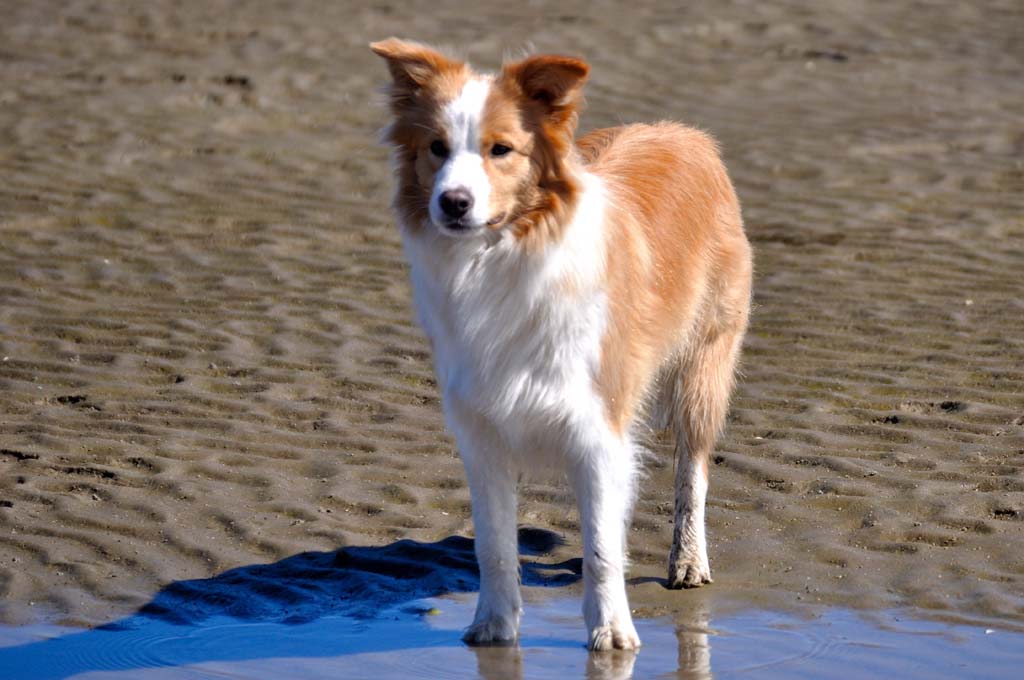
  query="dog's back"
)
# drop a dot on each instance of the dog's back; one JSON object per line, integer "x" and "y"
{"x": 678, "y": 266}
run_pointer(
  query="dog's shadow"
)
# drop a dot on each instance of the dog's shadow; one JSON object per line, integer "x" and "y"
{"x": 357, "y": 582}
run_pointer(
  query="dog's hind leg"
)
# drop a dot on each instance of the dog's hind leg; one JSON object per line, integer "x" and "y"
{"x": 703, "y": 383}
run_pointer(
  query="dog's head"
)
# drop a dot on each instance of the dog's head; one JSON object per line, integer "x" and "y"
{"x": 479, "y": 152}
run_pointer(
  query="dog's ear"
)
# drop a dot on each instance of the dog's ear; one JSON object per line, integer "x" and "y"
{"x": 554, "y": 81}
{"x": 412, "y": 65}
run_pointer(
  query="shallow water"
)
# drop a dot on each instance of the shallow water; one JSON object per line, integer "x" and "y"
{"x": 422, "y": 641}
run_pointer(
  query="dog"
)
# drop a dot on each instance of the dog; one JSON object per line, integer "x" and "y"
{"x": 567, "y": 287}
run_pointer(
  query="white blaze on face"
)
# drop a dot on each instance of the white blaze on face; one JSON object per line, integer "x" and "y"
{"x": 464, "y": 167}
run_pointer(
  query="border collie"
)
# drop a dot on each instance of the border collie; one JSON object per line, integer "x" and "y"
{"x": 568, "y": 287}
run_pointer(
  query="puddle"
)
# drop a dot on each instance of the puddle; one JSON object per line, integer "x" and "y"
{"x": 421, "y": 640}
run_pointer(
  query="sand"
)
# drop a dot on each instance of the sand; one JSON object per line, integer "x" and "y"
{"x": 208, "y": 360}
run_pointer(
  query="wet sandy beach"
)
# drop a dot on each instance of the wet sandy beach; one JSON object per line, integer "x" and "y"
{"x": 207, "y": 354}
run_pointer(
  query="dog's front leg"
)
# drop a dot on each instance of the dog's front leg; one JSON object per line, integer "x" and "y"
{"x": 603, "y": 479}
{"x": 492, "y": 486}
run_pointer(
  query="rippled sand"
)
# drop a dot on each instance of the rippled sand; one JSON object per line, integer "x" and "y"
{"x": 208, "y": 359}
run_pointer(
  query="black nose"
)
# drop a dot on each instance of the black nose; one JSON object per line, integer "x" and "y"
{"x": 456, "y": 203}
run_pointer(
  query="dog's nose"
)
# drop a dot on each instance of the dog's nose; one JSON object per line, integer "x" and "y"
{"x": 456, "y": 203}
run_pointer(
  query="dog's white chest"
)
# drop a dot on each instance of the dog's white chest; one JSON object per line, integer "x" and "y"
{"x": 516, "y": 336}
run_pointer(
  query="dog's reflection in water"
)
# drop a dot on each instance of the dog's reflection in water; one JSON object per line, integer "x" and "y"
{"x": 694, "y": 648}
{"x": 506, "y": 662}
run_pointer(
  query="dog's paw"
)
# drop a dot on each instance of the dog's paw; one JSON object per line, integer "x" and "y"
{"x": 493, "y": 631}
{"x": 688, "y": 574}
{"x": 614, "y": 636}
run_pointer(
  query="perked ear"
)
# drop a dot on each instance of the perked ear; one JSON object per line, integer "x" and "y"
{"x": 553, "y": 80}
{"x": 413, "y": 65}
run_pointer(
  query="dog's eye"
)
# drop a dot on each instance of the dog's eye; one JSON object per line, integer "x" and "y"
{"x": 439, "y": 148}
{"x": 500, "y": 150}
